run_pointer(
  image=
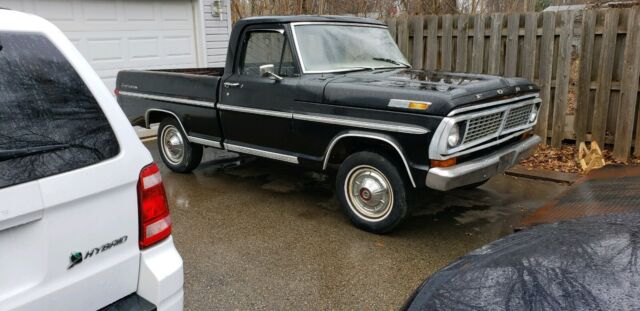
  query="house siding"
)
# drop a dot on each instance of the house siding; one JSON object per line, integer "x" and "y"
{"x": 216, "y": 32}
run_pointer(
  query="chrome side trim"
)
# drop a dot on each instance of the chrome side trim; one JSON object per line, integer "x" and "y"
{"x": 335, "y": 140}
{"x": 485, "y": 105}
{"x": 177, "y": 100}
{"x": 261, "y": 153}
{"x": 362, "y": 124}
{"x": 271, "y": 113}
{"x": 204, "y": 142}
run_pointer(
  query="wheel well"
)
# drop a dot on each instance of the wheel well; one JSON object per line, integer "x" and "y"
{"x": 156, "y": 116}
{"x": 350, "y": 145}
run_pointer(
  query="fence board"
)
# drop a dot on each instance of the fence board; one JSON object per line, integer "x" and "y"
{"x": 403, "y": 36}
{"x": 431, "y": 61}
{"x": 511, "y": 60}
{"x": 562, "y": 77}
{"x": 529, "y": 46}
{"x": 447, "y": 42}
{"x": 583, "y": 90}
{"x": 605, "y": 73}
{"x": 546, "y": 65}
{"x": 477, "y": 56}
{"x": 418, "y": 41}
{"x": 461, "y": 46}
{"x": 495, "y": 44}
{"x": 607, "y": 57}
{"x": 629, "y": 94}
{"x": 392, "y": 24}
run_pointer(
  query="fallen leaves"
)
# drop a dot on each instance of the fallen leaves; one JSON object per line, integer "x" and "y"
{"x": 564, "y": 159}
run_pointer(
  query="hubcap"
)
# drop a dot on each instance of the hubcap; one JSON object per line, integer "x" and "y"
{"x": 369, "y": 193}
{"x": 172, "y": 144}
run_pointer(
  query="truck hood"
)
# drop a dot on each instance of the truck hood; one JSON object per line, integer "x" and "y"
{"x": 444, "y": 90}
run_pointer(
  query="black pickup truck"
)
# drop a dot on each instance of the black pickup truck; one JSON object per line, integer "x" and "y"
{"x": 336, "y": 93}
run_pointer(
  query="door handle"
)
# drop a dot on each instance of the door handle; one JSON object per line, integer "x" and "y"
{"x": 231, "y": 84}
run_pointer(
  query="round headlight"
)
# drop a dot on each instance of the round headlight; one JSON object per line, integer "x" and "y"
{"x": 533, "y": 116}
{"x": 454, "y": 136}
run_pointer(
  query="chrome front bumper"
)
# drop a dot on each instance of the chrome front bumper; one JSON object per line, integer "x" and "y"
{"x": 481, "y": 169}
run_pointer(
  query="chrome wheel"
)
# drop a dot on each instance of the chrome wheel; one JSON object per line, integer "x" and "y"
{"x": 172, "y": 144}
{"x": 369, "y": 193}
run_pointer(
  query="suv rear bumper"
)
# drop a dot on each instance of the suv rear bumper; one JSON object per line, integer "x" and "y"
{"x": 481, "y": 169}
{"x": 161, "y": 276}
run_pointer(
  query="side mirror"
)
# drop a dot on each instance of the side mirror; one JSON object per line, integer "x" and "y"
{"x": 268, "y": 71}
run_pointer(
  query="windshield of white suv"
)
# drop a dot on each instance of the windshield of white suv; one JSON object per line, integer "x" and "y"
{"x": 330, "y": 48}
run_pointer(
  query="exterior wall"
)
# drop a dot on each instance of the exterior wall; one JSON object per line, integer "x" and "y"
{"x": 216, "y": 32}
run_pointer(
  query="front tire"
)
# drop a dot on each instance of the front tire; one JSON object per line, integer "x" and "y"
{"x": 177, "y": 153}
{"x": 372, "y": 192}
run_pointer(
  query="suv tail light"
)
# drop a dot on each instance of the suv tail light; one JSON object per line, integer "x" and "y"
{"x": 155, "y": 221}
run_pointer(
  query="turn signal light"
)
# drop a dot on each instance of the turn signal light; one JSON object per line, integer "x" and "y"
{"x": 155, "y": 221}
{"x": 444, "y": 163}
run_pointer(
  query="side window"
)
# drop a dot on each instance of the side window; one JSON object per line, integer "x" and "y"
{"x": 267, "y": 47}
{"x": 50, "y": 122}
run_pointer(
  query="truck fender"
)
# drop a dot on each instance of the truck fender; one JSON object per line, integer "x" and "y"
{"x": 368, "y": 135}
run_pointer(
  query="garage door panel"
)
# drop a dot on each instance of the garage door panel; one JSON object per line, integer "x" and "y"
{"x": 100, "y": 11}
{"x": 123, "y": 34}
{"x": 55, "y": 10}
{"x": 140, "y": 12}
{"x": 144, "y": 48}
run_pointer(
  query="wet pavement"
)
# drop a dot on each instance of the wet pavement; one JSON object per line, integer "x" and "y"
{"x": 266, "y": 235}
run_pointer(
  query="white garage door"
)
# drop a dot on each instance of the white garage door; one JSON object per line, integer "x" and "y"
{"x": 122, "y": 34}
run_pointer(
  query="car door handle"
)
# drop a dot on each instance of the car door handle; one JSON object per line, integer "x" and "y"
{"x": 231, "y": 84}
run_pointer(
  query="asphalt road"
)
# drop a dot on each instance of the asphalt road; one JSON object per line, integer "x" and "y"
{"x": 265, "y": 235}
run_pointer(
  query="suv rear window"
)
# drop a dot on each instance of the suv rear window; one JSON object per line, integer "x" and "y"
{"x": 50, "y": 122}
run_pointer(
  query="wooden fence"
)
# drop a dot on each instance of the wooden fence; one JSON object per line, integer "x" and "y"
{"x": 587, "y": 64}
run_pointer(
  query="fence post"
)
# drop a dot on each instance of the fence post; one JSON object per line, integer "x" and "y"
{"x": 629, "y": 90}
{"x": 562, "y": 79}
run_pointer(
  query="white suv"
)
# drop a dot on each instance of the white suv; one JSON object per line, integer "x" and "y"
{"x": 84, "y": 222}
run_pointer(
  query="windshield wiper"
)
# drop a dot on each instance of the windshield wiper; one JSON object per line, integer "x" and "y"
{"x": 391, "y": 61}
{"x": 358, "y": 68}
{"x": 7, "y": 154}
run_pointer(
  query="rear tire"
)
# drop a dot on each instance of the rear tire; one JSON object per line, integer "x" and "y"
{"x": 372, "y": 192}
{"x": 177, "y": 153}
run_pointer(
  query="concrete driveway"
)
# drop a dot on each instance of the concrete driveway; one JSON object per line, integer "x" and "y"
{"x": 265, "y": 235}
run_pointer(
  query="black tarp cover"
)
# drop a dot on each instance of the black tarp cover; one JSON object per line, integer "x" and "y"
{"x": 585, "y": 264}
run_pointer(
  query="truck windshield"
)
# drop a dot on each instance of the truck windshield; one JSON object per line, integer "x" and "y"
{"x": 334, "y": 48}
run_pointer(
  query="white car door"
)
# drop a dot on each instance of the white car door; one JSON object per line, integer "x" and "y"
{"x": 68, "y": 185}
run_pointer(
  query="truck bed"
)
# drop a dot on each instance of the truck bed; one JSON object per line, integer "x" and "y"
{"x": 141, "y": 90}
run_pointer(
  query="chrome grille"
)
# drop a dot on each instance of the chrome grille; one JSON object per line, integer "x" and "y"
{"x": 518, "y": 117}
{"x": 483, "y": 126}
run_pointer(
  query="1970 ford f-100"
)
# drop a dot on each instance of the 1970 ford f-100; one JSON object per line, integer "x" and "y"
{"x": 337, "y": 93}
